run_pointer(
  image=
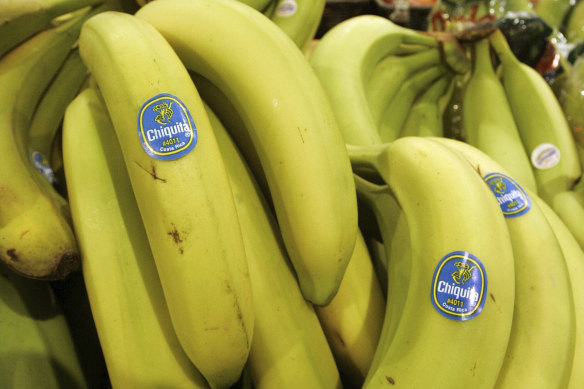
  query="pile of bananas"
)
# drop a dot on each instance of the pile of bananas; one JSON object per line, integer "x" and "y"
{"x": 251, "y": 208}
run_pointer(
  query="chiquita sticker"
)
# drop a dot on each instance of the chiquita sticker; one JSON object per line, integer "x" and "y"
{"x": 459, "y": 286}
{"x": 165, "y": 126}
{"x": 511, "y": 197}
{"x": 43, "y": 166}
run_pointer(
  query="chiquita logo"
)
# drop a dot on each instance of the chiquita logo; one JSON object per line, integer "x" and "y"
{"x": 512, "y": 199}
{"x": 459, "y": 286}
{"x": 166, "y": 128}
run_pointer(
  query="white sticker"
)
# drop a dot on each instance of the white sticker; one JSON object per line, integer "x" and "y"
{"x": 286, "y": 8}
{"x": 545, "y": 156}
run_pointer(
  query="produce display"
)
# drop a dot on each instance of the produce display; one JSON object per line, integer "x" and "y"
{"x": 205, "y": 194}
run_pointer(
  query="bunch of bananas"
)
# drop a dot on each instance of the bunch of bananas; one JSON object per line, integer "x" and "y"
{"x": 251, "y": 207}
{"x": 424, "y": 191}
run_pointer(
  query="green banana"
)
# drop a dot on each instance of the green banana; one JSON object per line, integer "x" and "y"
{"x": 368, "y": 39}
{"x": 426, "y": 114}
{"x": 299, "y": 19}
{"x": 21, "y": 19}
{"x": 397, "y": 255}
{"x": 553, "y": 12}
{"x": 488, "y": 121}
{"x": 48, "y": 115}
{"x": 36, "y": 238}
{"x": 396, "y": 111}
{"x": 37, "y": 349}
{"x": 575, "y": 261}
{"x": 127, "y": 301}
{"x": 289, "y": 348}
{"x": 573, "y": 23}
{"x": 289, "y": 122}
{"x": 181, "y": 188}
{"x": 429, "y": 181}
{"x": 542, "y": 125}
{"x": 390, "y": 73}
{"x": 352, "y": 321}
{"x": 569, "y": 206}
{"x": 544, "y": 302}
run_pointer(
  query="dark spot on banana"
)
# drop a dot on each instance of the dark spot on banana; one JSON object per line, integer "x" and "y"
{"x": 492, "y": 296}
{"x": 152, "y": 172}
{"x": 12, "y": 255}
{"x": 300, "y": 132}
{"x": 176, "y": 237}
{"x": 390, "y": 380}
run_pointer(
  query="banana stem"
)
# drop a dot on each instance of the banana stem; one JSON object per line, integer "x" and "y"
{"x": 482, "y": 57}
{"x": 365, "y": 156}
{"x": 499, "y": 43}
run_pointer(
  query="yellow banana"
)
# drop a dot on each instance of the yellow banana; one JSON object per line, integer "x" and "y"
{"x": 396, "y": 259}
{"x": 35, "y": 235}
{"x": 21, "y": 19}
{"x": 575, "y": 261}
{"x": 289, "y": 348}
{"x": 488, "y": 121}
{"x": 461, "y": 254}
{"x": 569, "y": 206}
{"x": 368, "y": 39}
{"x": 289, "y": 122}
{"x": 425, "y": 117}
{"x": 181, "y": 188}
{"x": 397, "y": 109}
{"x": 299, "y": 19}
{"x": 259, "y": 5}
{"x": 48, "y": 115}
{"x": 542, "y": 125}
{"x": 134, "y": 327}
{"x": 352, "y": 320}
{"x": 544, "y": 306}
{"x": 390, "y": 73}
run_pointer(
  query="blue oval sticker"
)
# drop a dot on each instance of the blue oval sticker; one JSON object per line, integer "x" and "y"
{"x": 459, "y": 286}
{"x": 165, "y": 126}
{"x": 511, "y": 197}
{"x": 43, "y": 166}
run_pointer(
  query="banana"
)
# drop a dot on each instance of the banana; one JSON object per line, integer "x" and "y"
{"x": 488, "y": 121}
{"x": 569, "y": 206}
{"x": 21, "y": 19}
{"x": 352, "y": 321}
{"x": 37, "y": 349}
{"x": 289, "y": 121}
{"x": 36, "y": 238}
{"x": 452, "y": 242}
{"x": 299, "y": 19}
{"x": 396, "y": 111}
{"x": 369, "y": 39}
{"x": 544, "y": 302}
{"x": 575, "y": 262}
{"x": 48, "y": 115}
{"x": 181, "y": 188}
{"x": 426, "y": 114}
{"x": 542, "y": 125}
{"x": 127, "y": 301}
{"x": 396, "y": 251}
{"x": 259, "y": 5}
{"x": 390, "y": 73}
{"x": 289, "y": 348}
{"x": 553, "y": 12}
